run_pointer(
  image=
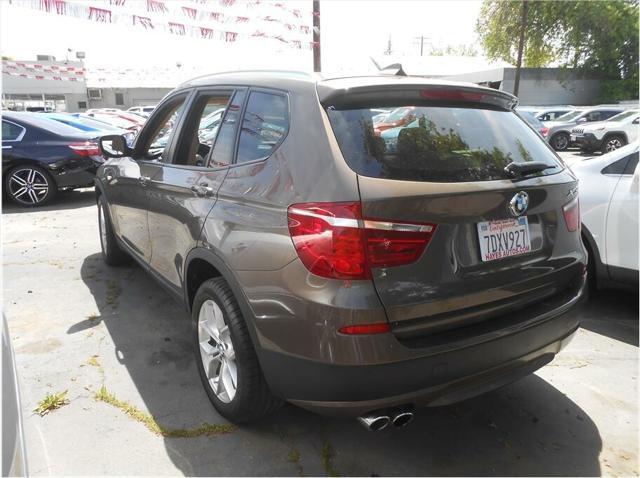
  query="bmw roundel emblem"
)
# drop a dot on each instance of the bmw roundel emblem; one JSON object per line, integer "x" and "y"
{"x": 519, "y": 204}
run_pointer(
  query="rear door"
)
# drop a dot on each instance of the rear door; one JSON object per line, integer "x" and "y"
{"x": 494, "y": 243}
{"x": 622, "y": 219}
{"x": 186, "y": 184}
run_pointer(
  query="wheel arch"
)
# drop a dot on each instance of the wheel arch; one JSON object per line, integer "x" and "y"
{"x": 616, "y": 133}
{"x": 199, "y": 265}
{"x": 202, "y": 264}
{"x": 559, "y": 133}
{"x": 600, "y": 268}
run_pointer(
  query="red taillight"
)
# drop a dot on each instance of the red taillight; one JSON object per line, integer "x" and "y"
{"x": 544, "y": 131}
{"x": 365, "y": 329}
{"x": 451, "y": 95}
{"x": 334, "y": 241}
{"x": 86, "y": 148}
{"x": 571, "y": 212}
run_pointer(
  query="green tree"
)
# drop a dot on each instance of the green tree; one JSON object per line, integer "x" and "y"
{"x": 590, "y": 36}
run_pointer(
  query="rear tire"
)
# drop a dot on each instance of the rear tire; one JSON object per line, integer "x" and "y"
{"x": 226, "y": 360}
{"x": 30, "y": 186}
{"x": 560, "y": 141}
{"x": 611, "y": 143}
{"x": 112, "y": 254}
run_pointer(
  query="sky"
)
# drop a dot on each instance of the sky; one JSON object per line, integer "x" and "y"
{"x": 351, "y": 30}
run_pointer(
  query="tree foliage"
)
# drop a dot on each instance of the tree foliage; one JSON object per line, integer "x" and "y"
{"x": 594, "y": 36}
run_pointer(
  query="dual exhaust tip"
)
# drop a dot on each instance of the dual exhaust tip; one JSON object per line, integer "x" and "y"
{"x": 379, "y": 420}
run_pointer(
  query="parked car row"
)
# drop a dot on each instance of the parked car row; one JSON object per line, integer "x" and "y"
{"x": 605, "y": 128}
{"x": 43, "y": 152}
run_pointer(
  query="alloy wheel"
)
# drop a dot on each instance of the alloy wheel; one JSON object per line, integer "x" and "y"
{"x": 28, "y": 186}
{"x": 613, "y": 144}
{"x": 216, "y": 351}
{"x": 561, "y": 142}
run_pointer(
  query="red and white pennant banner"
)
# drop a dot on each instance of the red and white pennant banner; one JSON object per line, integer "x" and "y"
{"x": 223, "y": 20}
{"x": 40, "y": 71}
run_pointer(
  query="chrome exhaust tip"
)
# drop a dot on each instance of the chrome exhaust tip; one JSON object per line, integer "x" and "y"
{"x": 402, "y": 419}
{"x": 374, "y": 422}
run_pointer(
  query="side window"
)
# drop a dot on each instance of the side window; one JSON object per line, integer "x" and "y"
{"x": 162, "y": 129}
{"x": 265, "y": 123}
{"x": 607, "y": 114}
{"x": 11, "y": 131}
{"x": 545, "y": 117}
{"x": 222, "y": 153}
{"x": 632, "y": 164}
{"x": 594, "y": 116}
{"x": 200, "y": 130}
{"x": 626, "y": 165}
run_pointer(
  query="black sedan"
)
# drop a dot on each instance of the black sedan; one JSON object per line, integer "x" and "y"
{"x": 40, "y": 156}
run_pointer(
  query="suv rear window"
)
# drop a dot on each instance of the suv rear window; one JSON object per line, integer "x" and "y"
{"x": 439, "y": 144}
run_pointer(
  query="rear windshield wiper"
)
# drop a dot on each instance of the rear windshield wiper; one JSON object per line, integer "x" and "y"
{"x": 518, "y": 170}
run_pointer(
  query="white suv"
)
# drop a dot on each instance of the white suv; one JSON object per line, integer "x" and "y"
{"x": 608, "y": 135}
{"x": 609, "y": 212}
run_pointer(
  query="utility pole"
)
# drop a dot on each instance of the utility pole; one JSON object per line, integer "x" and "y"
{"x": 421, "y": 39}
{"x": 388, "y": 50}
{"x": 523, "y": 27}
{"x": 317, "y": 66}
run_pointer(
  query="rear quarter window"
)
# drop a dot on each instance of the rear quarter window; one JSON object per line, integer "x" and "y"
{"x": 440, "y": 144}
{"x": 11, "y": 131}
{"x": 264, "y": 125}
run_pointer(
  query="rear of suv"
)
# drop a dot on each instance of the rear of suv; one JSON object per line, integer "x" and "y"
{"x": 325, "y": 267}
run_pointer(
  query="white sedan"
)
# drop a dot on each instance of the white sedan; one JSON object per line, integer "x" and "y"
{"x": 609, "y": 210}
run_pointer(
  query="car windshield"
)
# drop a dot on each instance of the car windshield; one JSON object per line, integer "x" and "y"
{"x": 569, "y": 116}
{"x": 621, "y": 116}
{"x": 443, "y": 144}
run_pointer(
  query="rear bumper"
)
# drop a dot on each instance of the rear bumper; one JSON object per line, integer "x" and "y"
{"x": 74, "y": 173}
{"x": 445, "y": 374}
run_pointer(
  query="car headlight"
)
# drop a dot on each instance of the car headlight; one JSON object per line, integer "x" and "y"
{"x": 600, "y": 129}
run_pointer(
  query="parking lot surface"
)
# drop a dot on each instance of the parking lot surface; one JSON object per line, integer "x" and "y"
{"x": 78, "y": 325}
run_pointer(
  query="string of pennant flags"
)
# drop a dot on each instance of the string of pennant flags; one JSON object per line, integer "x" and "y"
{"x": 223, "y": 20}
{"x": 39, "y": 71}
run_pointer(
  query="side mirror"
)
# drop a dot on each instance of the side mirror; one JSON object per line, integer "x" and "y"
{"x": 582, "y": 120}
{"x": 636, "y": 121}
{"x": 114, "y": 146}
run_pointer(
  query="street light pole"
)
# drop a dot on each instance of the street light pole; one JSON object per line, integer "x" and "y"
{"x": 317, "y": 66}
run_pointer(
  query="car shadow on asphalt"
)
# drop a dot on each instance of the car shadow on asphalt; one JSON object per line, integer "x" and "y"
{"x": 527, "y": 428}
{"x": 612, "y": 313}
{"x": 63, "y": 200}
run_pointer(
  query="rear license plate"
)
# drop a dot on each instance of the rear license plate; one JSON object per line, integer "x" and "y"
{"x": 503, "y": 238}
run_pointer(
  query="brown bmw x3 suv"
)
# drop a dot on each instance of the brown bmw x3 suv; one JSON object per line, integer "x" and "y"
{"x": 347, "y": 272}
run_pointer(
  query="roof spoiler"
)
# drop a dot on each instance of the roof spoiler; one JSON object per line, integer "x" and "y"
{"x": 412, "y": 94}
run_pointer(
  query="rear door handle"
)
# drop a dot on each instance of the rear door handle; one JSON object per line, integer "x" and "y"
{"x": 202, "y": 190}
